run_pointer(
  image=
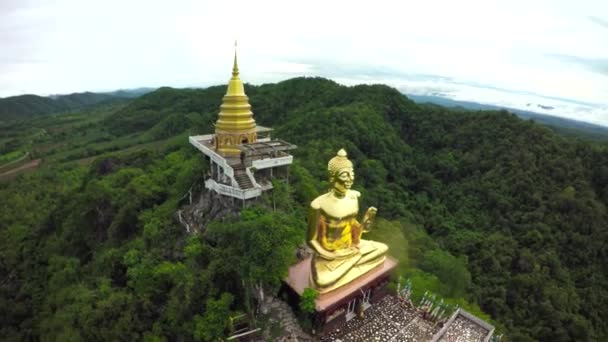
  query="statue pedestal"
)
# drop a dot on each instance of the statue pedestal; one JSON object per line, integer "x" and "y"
{"x": 334, "y": 308}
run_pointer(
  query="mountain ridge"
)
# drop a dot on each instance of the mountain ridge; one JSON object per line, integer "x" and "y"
{"x": 23, "y": 107}
{"x": 561, "y": 124}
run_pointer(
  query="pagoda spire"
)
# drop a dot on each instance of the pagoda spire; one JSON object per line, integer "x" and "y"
{"x": 235, "y": 124}
{"x": 235, "y": 84}
{"x": 235, "y": 67}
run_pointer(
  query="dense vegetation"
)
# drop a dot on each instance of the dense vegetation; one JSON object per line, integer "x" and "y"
{"x": 481, "y": 207}
{"x": 23, "y": 107}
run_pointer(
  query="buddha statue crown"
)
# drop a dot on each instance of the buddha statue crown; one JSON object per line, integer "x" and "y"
{"x": 337, "y": 163}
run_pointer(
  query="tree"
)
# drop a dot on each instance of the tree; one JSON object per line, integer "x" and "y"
{"x": 213, "y": 323}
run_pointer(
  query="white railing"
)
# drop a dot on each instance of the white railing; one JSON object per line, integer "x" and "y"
{"x": 216, "y": 158}
{"x": 460, "y": 312}
{"x": 252, "y": 178}
{"x": 481, "y": 323}
{"x": 272, "y": 162}
{"x": 440, "y": 333}
{"x": 227, "y": 190}
{"x": 234, "y": 191}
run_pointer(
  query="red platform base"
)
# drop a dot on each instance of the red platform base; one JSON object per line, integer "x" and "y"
{"x": 334, "y": 308}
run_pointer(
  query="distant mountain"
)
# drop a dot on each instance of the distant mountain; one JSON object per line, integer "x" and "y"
{"x": 28, "y": 106}
{"x": 131, "y": 93}
{"x": 559, "y": 124}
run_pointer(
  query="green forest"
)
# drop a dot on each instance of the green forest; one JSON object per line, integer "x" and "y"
{"x": 503, "y": 216}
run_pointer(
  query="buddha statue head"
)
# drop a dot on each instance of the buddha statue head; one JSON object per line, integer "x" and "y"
{"x": 341, "y": 172}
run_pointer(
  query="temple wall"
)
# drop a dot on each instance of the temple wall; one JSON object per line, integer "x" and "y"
{"x": 334, "y": 317}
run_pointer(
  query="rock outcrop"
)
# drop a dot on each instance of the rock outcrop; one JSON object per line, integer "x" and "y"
{"x": 201, "y": 206}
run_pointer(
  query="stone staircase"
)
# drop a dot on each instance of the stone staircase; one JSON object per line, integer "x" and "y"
{"x": 281, "y": 314}
{"x": 240, "y": 175}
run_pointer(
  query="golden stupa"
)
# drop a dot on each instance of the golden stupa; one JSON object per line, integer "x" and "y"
{"x": 235, "y": 125}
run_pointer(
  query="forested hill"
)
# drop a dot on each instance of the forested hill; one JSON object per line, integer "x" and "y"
{"x": 494, "y": 210}
{"x": 24, "y": 107}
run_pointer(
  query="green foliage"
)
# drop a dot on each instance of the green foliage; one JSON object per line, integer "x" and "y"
{"x": 307, "y": 301}
{"x": 212, "y": 325}
{"x": 392, "y": 234}
{"x": 10, "y": 157}
{"x": 252, "y": 244}
{"x": 451, "y": 271}
{"x": 151, "y": 111}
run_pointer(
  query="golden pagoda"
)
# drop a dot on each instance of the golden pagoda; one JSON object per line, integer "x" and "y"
{"x": 235, "y": 125}
{"x": 243, "y": 158}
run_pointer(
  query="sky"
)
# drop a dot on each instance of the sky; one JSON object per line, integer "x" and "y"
{"x": 514, "y": 53}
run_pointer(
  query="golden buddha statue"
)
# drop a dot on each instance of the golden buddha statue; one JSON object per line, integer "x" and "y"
{"x": 335, "y": 234}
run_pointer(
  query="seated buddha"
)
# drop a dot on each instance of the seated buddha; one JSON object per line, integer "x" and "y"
{"x": 335, "y": 233}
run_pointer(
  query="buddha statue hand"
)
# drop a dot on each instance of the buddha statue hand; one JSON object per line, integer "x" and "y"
{"x": 368, "y": 219}
{"x": 345, "y": 252}
{"x": 331, "y": 255}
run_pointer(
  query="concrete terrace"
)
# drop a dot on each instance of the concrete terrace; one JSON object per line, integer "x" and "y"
{"x": 392, "y": 319}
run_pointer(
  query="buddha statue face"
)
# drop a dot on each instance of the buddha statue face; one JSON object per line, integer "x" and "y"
{"x": 341, "y": 173}
{"x": 343, "y": 181}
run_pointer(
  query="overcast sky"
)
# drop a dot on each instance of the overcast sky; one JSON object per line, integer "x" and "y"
{"x": 508, "y": 52}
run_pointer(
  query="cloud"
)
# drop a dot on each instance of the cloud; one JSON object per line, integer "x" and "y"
{"x": 14, "y": 60}
{"x": 597, "y": 65}
{"x": 363, "y": 71}
{"x": 7, "y": 6}
{"x": 599, "y": 21}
